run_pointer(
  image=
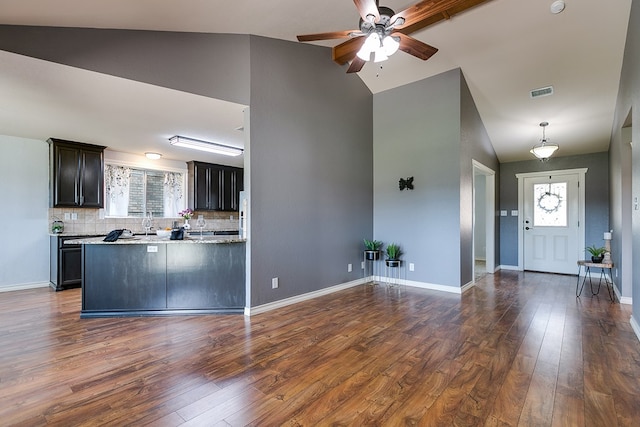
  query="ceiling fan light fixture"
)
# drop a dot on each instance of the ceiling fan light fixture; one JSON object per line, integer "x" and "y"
{"x": 371, "y": 44}
{"x": 211, "y": 147}
{"x": 544, "y": 150}
{"x": 390, "y": 45}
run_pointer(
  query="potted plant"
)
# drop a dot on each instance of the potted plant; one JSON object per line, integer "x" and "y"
{"x": 393, "y": 255}
{"x": 372, "y": 249}
{"x": 597, "y": 253}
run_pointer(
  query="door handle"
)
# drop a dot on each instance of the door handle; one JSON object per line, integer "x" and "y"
{"x": 526, "y": 228}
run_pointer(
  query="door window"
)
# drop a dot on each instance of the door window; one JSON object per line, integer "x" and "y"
{"x": 550, "y": 207}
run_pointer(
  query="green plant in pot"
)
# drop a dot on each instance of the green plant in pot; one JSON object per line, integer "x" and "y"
{"x": 393, "y": 255}
{"x": 372, "y": 249}
{"x": 597, "y": 253}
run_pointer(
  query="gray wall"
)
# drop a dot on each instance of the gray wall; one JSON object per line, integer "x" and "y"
{"x": 430, "y": 130}
{"x": 417, "y": 133}
{"x": 626, "y": 177}
{"x": 596, "y": 198}
{"x": 311, "y": 170}
{"x": 474, "y": 145}
{"x": 213, "y": 65}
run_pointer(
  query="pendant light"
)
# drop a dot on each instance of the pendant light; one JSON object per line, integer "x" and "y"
{"x": 544, "y": 150}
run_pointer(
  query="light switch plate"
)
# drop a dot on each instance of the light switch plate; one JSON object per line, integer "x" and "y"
{"x": 503, "y": 213}
{"x": 514, "y": 213}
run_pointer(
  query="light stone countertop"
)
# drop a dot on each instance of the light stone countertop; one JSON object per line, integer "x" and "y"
{"x": 154, "y": 239}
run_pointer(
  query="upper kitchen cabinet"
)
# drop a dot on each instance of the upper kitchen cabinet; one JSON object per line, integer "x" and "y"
{"x": 214, "y": 187}
{"x": 77, "y": 174}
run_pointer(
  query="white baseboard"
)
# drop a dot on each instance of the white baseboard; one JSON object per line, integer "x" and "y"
{"x": 22, "y": 287}
{"x": 250, "y": 311}
{"x": 636, "y": 327}
{"x": 508, "y": 267}
{"x": 432, "y": 286}
{"x": 468, "y": 286}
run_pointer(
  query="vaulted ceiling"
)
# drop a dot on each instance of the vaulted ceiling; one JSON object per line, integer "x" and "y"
{"x": 505, "y": 49}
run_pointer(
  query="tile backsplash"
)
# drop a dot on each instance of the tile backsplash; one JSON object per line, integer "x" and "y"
{"x": 89, "y": 222}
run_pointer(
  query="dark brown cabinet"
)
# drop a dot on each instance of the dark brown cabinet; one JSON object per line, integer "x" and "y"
{"x": 65, "y": 268}
{"x": 214, "y": 187}
{"x": 77, "y": 174}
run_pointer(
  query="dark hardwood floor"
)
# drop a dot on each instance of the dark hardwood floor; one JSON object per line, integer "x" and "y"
{"x": 518, "y": 349}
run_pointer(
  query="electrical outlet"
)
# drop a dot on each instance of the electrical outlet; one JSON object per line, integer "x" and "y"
{"x": 74, "y": 216}
{"x": 274, "y": 283}
{"x": 349, "y": 268}
{"x": 362, "y": 265}
{"x": 412, "y": 266}
{"x": 67, "y": 216}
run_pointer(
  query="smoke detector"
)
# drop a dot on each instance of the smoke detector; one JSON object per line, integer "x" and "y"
{"x": 557, "y": 7}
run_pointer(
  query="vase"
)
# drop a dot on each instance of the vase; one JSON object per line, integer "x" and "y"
{"x": 392, "y": 263}
{"x": 596, "y": 259}
{"x": 372, "y": 255}
{"x": 186, "y": 225}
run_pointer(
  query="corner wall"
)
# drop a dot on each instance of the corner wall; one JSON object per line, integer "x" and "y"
{"x": 311, "y": 170}
{"x": 629, "y": 101}
{"x": 24, "y": 243}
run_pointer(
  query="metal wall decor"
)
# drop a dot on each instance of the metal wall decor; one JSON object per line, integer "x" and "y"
{"x": 406, "y": 183}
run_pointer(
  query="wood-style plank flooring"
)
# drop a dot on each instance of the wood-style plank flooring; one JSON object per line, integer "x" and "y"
{"x": 519, "y": 349}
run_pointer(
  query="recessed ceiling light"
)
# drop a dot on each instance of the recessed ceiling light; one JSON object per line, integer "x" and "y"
{"x": 557, "y": 6}
{"x": 153, "y": 156}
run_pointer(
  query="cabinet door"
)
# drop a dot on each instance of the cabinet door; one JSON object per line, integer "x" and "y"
{"x": 200, "y": 191}
{"x": 228, "y": 189}
{"x": 67, "y": 176}
{"x": 70, "y": 266}
{"x": 92, "y": 182}
{"x": 214, "y": 185}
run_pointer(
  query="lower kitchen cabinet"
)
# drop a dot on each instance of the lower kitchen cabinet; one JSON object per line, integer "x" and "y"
{"x": 65, "y": 265}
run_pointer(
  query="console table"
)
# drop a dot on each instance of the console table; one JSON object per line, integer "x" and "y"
{"x": 602, "y": 266}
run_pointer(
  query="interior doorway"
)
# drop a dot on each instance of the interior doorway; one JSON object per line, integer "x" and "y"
{"x": 484, "y": 185}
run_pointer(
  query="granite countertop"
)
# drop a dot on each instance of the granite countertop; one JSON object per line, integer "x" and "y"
{"x": 154, "y": 239}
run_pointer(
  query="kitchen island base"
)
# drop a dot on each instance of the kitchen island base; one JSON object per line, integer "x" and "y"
{"x": 163, "y": 278}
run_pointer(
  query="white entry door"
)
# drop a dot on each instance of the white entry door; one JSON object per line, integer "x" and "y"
{"x": 551, "y": 223}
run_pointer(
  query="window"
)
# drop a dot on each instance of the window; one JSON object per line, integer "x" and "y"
{"x": 131, "y": 192}
{"x": 550, "y": 209}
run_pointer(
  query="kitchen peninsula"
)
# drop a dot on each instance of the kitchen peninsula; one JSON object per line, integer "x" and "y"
{"x": 146, "y": 276}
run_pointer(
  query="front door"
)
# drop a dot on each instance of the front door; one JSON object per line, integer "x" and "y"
{"x": 551, "y": 223}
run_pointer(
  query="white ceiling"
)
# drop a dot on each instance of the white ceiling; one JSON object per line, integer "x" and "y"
{"x": 505, "y": 48}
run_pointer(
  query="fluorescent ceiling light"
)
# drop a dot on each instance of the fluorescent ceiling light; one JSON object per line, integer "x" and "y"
{"x": 153, "y": 156}
{"x": 211, "y": 147}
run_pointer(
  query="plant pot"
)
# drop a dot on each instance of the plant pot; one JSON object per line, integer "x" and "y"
{"x": 597, "y": 259}
{"x": 372, "y": 255}
{"x": 392, "y": 262}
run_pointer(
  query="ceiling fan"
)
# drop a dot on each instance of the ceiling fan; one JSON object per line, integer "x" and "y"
{"x": 382, "y": 31}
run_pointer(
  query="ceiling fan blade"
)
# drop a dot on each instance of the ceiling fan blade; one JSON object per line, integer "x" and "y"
{"x": 356, "y": 65}
{"x": 429, "y": 12}
{"x": 423, "y": 10}
{"x": 328, "y": 36}
{"x": 346, "y": 51}
{"x": 366, "y": 8}
{"x": 415, "y": 47}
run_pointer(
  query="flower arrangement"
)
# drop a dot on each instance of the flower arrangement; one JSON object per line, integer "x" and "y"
{"x": 186, "y": 213}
